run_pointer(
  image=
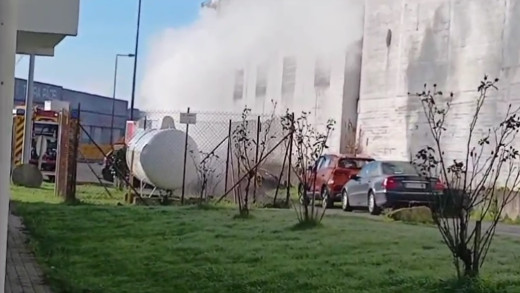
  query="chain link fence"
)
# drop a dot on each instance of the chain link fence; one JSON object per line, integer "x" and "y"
{"x": 210, "y": 133}
{"x": 213, "y": 134}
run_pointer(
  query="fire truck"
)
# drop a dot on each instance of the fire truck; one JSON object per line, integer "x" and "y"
{"x": 45, "y": 137}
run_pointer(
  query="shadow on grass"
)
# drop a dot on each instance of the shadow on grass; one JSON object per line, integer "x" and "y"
{"x": 243, "y": 216}
{"x": 306, "y": 225}
{"x": 207, "y": 207}
{"x": 466, "y": 286}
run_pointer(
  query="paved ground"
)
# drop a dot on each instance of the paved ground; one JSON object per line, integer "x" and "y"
{"x": 85, "y": 175}
{"x": 23, "y": 274}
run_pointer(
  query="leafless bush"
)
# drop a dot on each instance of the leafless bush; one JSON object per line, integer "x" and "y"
{"x": 309, "y": 144}
{"x": 207, "y": 173}
{"x": 486, "y": 178}
{"x": 249, "y": 152}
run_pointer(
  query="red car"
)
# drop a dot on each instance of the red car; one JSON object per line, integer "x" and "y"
{"x": 332, "y": 172}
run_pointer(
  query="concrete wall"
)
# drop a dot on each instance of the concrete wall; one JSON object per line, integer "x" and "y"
{"x": 449, "y": 42}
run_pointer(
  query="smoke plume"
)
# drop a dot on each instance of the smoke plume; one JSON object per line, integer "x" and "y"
{"x": 194, "y": 66}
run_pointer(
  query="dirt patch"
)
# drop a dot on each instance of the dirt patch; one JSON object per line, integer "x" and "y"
{"x": 421, "y": 215}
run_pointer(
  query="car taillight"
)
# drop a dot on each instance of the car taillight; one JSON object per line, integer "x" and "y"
{"x": 390, "y": 183}
{"x": 439, "y": 185}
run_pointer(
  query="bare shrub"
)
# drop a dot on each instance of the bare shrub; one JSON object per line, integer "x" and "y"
{"x": 309, "y": 144}
{"x": 249, "y": 152}
{"x": 485, "y": 178}
{"x": 207, "y": 174}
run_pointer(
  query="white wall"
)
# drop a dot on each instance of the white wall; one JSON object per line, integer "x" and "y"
{"x": 449, "y": 42}
{"x": 49, "y": 16}
{"x": 43, "y": 24}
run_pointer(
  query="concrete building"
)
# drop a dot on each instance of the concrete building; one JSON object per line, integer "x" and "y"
{"x": 27, "y": 27}
{"x": 96, "y": 110}
{"x": 452, "y": 43}
{"x": 302, "y": 81}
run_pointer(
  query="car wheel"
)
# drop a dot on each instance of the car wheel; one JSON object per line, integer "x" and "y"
{"x": 345, "y": 204}
{"x": 373, "y": 209}
{"x": 326, "y": 200}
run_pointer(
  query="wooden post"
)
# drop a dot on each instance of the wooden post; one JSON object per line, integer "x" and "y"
{"x": 67, "y": 155}
{"x": 70, "y": 195}
{"x": 62, "y": 163}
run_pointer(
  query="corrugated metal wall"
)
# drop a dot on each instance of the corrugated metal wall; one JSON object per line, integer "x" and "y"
{"x": 96, "y": 110}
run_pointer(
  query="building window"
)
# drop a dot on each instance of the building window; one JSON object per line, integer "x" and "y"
{"x": 288, "y": 77}
{"x": 322, "y": 74}
{"x": 238, "y": 92}
{"x": 261, "y": 81}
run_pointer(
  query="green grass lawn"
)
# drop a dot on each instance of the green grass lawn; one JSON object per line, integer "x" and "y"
{"x": 102, "y": 247}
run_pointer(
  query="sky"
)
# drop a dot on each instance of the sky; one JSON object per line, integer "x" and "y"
{"x": 106, "y": 28}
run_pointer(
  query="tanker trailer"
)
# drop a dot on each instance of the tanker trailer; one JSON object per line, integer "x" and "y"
{"x": 158, "y": 158}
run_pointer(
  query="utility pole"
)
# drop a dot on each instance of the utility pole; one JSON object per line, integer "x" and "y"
{"x": 8, "y": 13}
{"x": 29, "y": 98}
{"x": 136, "y": 51}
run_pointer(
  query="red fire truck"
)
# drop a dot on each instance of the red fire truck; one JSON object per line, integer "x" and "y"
{"x": 45, "y": 136}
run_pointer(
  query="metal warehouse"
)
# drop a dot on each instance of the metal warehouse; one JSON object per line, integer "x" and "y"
{"x": 96, "y": 110}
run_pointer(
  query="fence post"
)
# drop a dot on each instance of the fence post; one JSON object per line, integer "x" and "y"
{"x": 70, "y": 194}
{"x": 289, "y": 167}
{"x": 185, "y": 156}
{"x": 62, "y": 160}
{"x": 227, "y": 157}
{"x": 258, "y": 130}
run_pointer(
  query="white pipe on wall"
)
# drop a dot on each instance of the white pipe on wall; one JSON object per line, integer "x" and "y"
{"x": 8, "y": 12}
{"x": 29, "y": 97}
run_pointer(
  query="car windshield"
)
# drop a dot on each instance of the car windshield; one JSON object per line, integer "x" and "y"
{"x": 398, "y": 168}
{"x": 351, "y": 163}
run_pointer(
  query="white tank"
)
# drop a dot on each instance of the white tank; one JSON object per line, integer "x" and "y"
{"x": 158, "y": 158}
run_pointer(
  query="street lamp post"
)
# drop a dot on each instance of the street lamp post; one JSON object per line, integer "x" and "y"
{"x": 132, "y": 101}
{"x": 114, "y": 98}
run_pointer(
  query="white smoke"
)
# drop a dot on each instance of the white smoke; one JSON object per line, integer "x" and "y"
{"x": 194, "y": 66}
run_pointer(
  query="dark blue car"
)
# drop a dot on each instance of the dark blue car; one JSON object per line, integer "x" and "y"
{"x": 389, "y": 184}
